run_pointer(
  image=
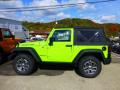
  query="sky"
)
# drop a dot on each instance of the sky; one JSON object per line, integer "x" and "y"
{"x": 101, "y": 13}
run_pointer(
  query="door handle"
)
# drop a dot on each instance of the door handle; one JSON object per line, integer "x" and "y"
{"x": 68, "y": 45}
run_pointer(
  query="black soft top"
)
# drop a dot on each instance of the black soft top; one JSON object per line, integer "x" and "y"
{"x": 89, "y": 36}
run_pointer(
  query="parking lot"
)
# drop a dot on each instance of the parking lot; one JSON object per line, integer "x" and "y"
{"x": 109, "y": 79}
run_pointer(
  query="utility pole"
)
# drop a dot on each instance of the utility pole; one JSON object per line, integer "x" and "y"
{"x": 56, "y": 21}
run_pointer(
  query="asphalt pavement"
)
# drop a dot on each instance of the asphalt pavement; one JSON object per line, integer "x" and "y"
{"x": 109, "y": 79}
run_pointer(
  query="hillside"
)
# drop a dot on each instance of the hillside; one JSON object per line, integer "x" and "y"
{"x": 111, "y": 29}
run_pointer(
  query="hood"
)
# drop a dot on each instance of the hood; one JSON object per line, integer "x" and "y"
{"x": 31, "y": 44}
{"x": 18, "y": 39}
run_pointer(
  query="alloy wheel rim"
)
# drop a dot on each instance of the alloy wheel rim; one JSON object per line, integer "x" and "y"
{"x": 90, "y": 67}
{"x": 22, "y": 65}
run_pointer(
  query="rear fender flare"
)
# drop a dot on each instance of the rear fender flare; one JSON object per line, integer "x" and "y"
{"x": 87, "y": 52}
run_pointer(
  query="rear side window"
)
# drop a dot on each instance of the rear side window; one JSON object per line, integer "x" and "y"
{"x": 62, "y": 35}
{"x": 89, "y": 36}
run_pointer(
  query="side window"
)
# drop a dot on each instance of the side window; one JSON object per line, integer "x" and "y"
{"x": 62, "y": 35}
{"x": 89, "y": 36}
{"x": 6, "y": 34}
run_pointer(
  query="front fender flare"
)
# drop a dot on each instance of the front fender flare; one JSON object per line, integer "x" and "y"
{"x": 26, "y": 50}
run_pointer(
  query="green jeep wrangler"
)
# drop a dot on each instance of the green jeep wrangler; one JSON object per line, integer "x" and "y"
{"x": 83, "y": 48}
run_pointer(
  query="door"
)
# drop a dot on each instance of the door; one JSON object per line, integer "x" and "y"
{"x": 61, "y": 49}
{"x": 8, "y": 43}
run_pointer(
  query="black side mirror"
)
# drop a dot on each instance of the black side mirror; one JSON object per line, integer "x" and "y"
{"x": 51, "y": 41}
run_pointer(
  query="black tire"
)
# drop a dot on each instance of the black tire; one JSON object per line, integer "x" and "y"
{"x": 89, "y": 67}
{"x": 24, "y": 64}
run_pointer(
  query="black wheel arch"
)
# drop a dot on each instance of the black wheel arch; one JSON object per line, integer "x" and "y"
{"x": 97, "y": 53}
{"x": 27, "y": 50}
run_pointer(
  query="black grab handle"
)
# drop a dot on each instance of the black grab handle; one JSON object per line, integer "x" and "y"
{"x": 68, "y": 45}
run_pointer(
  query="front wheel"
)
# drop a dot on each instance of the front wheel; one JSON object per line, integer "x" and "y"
{"x": 24, "y": 64}
{"x": 89, "y": 67}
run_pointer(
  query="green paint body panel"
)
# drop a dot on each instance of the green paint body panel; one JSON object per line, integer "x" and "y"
{"x": 58, "y": 52}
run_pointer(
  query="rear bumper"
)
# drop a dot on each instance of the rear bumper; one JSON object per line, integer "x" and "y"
{"x": 107, "y": 60}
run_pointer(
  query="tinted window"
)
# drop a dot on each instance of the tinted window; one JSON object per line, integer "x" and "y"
{"x": 89, "y": 36}
{"x": 62, "y": 35}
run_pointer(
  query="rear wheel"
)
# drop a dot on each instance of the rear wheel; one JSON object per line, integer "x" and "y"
{"x": 89, "y": 67}
{"x": 24, "y": 64}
